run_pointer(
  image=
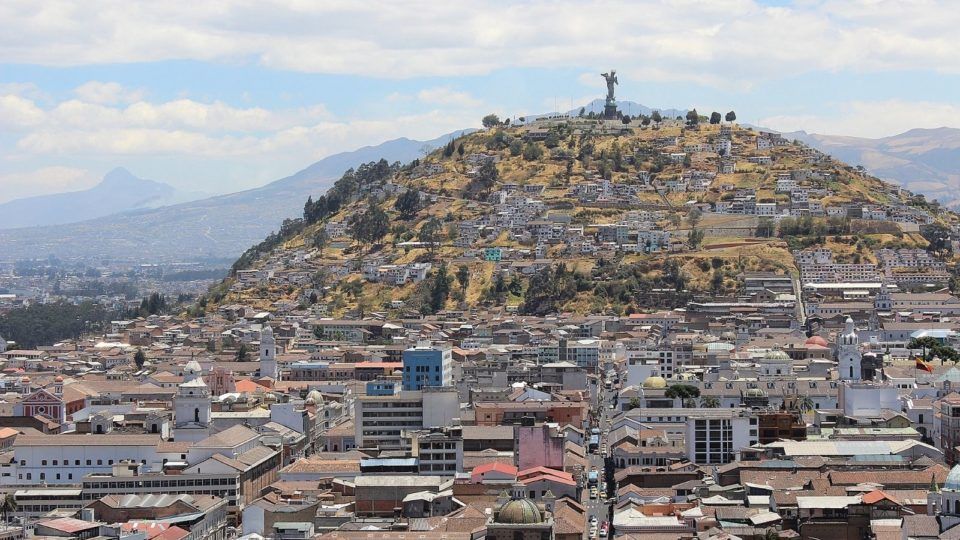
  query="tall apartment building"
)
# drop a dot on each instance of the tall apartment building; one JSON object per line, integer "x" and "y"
{"x": 949, "y": 420}
{"x": 439, "y": 451}
{"x": 715, "y": 436}
{"x": 380, "y": 421}
{"x": 427, "y": 365}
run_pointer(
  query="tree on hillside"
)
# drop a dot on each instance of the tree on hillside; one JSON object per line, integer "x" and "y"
{"x": 463, "y": 277}
{"x": 242, "y": 353}
{"x": 461, "y": 150}
{"x": 321, "y": 240}
{"x": 548, "y": 290}
{"x": 483, "y": 181}
{"x": 440, "y": 288}
{"x": 153, "y": 304}
{"x": 731, "y": 116}
{"x": 938, "y": 237}
{"x": 766, "y": 228}
{"x": 430, "y": 233}
{"x": 408, "y": 203}
{"x": 552, "y": 140}
{"x": 369, "y": 226}
{"x": 714, "y": 117}
{"x": 693, "y": 118}
{"x": 716, "y": 282}
{"x": 656, "y": 117}
{"x": 532, "y": 151}
{"x": 490, "y": 121}
{"x": 693, "y": 216}
{"x": 695, "y": 238}
{"x": 139, "y": 358}
{"x": 582, "y": 111}
{"x": 516, "y": 147}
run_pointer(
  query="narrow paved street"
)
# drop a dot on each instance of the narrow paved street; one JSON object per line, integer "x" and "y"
{"x": 597, "y": 506}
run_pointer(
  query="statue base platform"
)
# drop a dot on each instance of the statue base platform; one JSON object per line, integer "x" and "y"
{"x": 610, "y": 111}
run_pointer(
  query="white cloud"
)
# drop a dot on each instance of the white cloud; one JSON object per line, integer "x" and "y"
{"x": 731, "y": 43}
{"x": 193, "y": 129}
{"x": 444, "y": 95}
{"x": 44, "y": 181}
{"x": 870, "y": 118}
{"x": 107, "y": 93}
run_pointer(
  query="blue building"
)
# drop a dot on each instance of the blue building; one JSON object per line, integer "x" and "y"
{"x": 427, "y": 365}
{"x": 381, "y": 388}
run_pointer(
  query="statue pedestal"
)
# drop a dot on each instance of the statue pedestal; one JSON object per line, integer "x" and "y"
{"x": 610, "y": 110}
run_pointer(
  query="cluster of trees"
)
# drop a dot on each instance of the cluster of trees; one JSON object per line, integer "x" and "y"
{"x": 808, "y": 226}
{"x": 693, "y": 118}
{"x": 938, "y": 238}
{"x": 408, "y": 203}
{"x": 500, "y": 288}
{"x": 351, "y": 186}
{"x": 46, "y": 324}
{"x": 483, "y": 181}
{"x": 369, "y": 226}
{"x": 154, "y": 304}
{"x": 452, "y": 147}
{"x": 550, "y": 288}
{"x": 288, "y": 229}
{"x": 934, "y": 349}
{"x": 490, "y": 120}
{"x": 635, "y": 284}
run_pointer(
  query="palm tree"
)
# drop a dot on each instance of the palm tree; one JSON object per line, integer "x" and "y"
{"x": 805, "y": 404}
{"x": 7, "y": 505}
{"x": 709, "y": 402}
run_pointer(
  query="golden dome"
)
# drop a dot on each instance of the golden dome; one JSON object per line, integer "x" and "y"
{"x": 519, "y": 511}
{"x": 654, "y": 381}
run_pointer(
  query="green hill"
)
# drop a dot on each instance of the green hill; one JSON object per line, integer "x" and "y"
{"x": 572, "y": 214}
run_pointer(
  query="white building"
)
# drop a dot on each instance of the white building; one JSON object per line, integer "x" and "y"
{"x": 67, "y": 458}
{"x": 848, "y": 353}
{"x": 715, "y": 436}
{"x": 381, "y": 420}
{"x": 191, "y": 405}
{"x": 268, "y": 354}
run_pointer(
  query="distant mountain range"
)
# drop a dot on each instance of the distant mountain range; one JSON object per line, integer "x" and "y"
{"x": 922, "y": 160}
{"x": 211, "y": 228}
{"x": 119, "y": 191}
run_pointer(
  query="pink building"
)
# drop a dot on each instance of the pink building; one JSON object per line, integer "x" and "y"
{"x": 540, "y": 446}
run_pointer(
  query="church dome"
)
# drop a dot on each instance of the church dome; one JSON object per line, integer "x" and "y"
{"x": 192, "y": 368}
{"x": 654, "y": 382}
{"x": 59, "y": 378}
{"x": 952, "y": 483}
{"x": 776, "y": 355}
{"x": 267, "y": 330}
{"x": 816, "y": 340}
{"x": 519, "y": 511}
{"x": 315, "y": 396}
{"x": 755, "y": 393}
{"x": 25, "y": 379}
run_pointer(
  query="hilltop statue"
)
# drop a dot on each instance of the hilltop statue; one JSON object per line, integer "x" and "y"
{"x": 611, "y": 79}
{"x": 610, "y": 108}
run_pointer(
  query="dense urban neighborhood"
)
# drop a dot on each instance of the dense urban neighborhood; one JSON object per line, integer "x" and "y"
{"x": 555, "y": 328}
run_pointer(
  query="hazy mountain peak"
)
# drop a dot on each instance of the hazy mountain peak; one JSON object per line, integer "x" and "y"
{"x": 119, "y": 176}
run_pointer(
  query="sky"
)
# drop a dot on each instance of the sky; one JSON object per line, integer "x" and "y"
{"x": 226, "y": 95}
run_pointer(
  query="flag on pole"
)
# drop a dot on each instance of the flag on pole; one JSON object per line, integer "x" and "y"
{"x": 924, "y": 365}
